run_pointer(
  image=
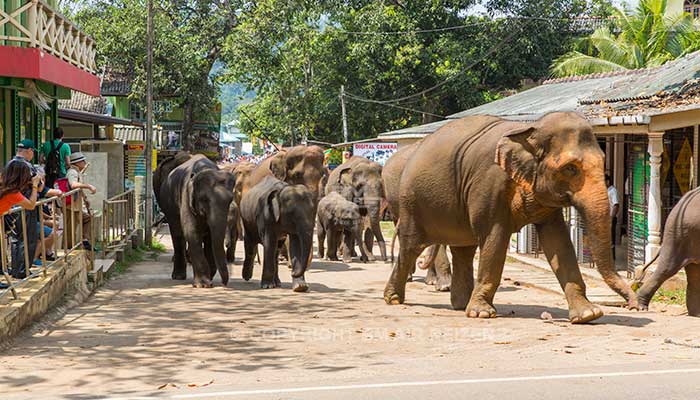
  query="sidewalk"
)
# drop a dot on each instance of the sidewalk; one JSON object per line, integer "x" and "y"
{"x": 535, "y": 272}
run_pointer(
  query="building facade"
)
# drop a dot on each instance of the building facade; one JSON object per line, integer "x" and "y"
{"x": 44, "y": 56}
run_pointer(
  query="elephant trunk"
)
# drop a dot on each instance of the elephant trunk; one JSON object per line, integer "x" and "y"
{"x": 300, "y": 246}
{"x": 218, "y": 229}
{"x": 592, "y": 202}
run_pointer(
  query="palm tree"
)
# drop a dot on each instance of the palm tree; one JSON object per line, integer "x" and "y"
{"x": 647, "y": 37}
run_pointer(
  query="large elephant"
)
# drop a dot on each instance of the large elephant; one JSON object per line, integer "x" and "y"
{"x": 438, "y": 265}
{"x": 477, "y": 180}
{"x": 299, "y": 165}
{"x": 196, "y": 198}
{"x": 271, "y": 210}
{"x": 680, "y": 249}
{"x": 360, "y": 181}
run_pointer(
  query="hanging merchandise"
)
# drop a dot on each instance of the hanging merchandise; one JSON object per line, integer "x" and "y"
{"x": 38, "y": 97}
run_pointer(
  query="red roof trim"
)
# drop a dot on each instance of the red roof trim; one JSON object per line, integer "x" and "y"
{"x": 31, "y": 63}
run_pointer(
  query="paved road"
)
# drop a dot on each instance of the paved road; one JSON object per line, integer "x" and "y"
{"x": 144, "y": 335}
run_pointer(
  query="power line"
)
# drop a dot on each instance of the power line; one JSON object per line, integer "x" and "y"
{"x": 453, "y": 77}
{"x": 464, "y": 26}
{"x": 363, "y": 100}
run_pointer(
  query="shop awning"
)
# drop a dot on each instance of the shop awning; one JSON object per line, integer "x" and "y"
{"x": 92, "y": 118}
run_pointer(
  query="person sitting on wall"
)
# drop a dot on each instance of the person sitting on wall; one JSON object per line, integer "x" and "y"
{"x": 55, "y": 155}
{"x": 17, "y": 180}
{"x": 75, "y": 181}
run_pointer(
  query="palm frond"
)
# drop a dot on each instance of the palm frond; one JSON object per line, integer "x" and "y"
{"x": 576, "y": 63}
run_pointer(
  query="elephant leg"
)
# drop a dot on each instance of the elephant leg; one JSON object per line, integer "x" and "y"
{"x": 377, "y": 230}
{"x": 692, "y": 295}
{"x": 321, "y": 237}
{"x": 269, "y": 263}
{"x": 251, "y": 248}
{"x": 364, "y": 250}
{"x": 553, "y": 234}
{"x": 179, "y": 256}
{"x": 493, "y": 256}
{"x": 232, "y": 238}
{"x": 333, "y": 241}
{"x": 666, "y": 266}
{"x": 442, "y": 270}
{"x": 410, "y": 249}
{"x": 200, "y": 265}
{"x": 368, "y": 240}
{"x": 462, "y": 279}
{"x": 209, "y": 255}
{"x": 431, "y": 276}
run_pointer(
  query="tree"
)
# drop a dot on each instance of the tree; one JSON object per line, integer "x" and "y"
{"x": 189, "y": 38}
{"x": 296, "y": 55}
{"x": 647, "y": 38}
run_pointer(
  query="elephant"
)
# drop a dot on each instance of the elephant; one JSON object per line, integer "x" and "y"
{"x": 270, "y": 211}
{"x": 197, "y": 198}
{"x": 438, "y": 265}
{"x": 360, "y": 180}
{"x": 299, "y": 165}
{"x": 680, "y": 249}
{"x": 339, "y": 217}
{"x": 479, "y": 179}
{"x": 241, "y": 171}
{"x": 164, "y": 169}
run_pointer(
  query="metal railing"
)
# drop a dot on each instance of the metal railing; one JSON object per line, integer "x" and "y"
{"x": 33, "y": 23}
{"x": 119, "y": 219}
{"x": 60, "y": 212}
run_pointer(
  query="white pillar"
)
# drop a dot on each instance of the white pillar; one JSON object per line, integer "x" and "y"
{"x": 656, "y": 149}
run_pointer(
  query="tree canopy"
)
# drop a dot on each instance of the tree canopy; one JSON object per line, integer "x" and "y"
{"x": 435, "y": 56}
{"x": 644, "y": 37}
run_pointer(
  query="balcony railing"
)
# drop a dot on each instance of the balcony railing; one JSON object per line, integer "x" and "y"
{"x": 35, "y": 24}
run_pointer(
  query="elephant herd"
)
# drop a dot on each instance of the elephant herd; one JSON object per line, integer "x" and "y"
{"x": 468, "y": 186}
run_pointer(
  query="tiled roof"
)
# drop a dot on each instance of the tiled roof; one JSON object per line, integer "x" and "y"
{"x": 116, "y": 83}
{"x": 645, "y": 92}
{"x": 83, "y": 102}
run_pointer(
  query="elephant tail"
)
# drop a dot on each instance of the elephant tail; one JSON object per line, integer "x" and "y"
{"x": 432, "y": 255}
{"x": 639, "y": 279}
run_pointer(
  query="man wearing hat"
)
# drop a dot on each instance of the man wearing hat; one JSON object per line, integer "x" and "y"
{"x": 75, "y": 181}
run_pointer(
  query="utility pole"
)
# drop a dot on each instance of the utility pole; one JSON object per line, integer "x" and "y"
{"x": 345, "y": 116}
{"x": 148, "y": 212}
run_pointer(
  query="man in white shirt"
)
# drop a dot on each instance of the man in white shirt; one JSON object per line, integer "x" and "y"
{"x": 614, "y": 208}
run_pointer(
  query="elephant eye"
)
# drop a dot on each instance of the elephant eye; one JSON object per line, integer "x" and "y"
{"x": 570, "y": 170}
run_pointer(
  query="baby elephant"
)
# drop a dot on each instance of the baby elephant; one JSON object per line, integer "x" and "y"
{"x": 339, "y": 217}
{"x": 680, "y": 249}
{"x": 271, "y": 210}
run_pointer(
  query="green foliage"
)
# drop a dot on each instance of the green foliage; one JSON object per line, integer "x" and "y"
{"x": 670, "y": 296}
{"x": 647, "y": 38}
{"x": 189, "y": 36}
{"x": 296, "y": 55}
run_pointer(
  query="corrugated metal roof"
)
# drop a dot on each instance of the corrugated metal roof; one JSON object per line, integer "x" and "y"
{"x": 417, "y": 131}
{"x": 542, "y": 99}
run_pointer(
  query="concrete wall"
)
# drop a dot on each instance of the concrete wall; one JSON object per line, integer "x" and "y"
{"x": 112, "y": 176}
{"x": 37, "y": 296}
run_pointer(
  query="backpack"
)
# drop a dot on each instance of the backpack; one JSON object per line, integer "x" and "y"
{"x": 53, "y": 164}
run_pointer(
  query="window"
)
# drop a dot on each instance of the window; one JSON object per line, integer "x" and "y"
{"x": 135, "y": 112}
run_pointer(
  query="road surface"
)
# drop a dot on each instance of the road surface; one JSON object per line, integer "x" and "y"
{"x": 145, "y": 336}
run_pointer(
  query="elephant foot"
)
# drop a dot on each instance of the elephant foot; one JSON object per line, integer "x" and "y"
{"x": 643, "y": 303}
{"x": 267, "y": 285}
{"x": 430, "y": 277}
{"x": 202, "y": 284}
{"x": 179, "y": 276}
{"x": 247, "y": 272}
{"x": 333, "y": 258}
{"x": 480, "y": 309}
{"x": 633, "y": 303}
{"x": 371, "y": 258}
{"x": 584, "y": 312}
{"x": 364, "y": 259}
{"x": 391, "y": 297}
{"x": 442, "y": 286}
{"x": 319, "y": 256}
{"x": 299, "y": 285}
{"x": 347, "y": 260}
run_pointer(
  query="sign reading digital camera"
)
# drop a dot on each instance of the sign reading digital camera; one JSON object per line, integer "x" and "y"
{"x": 378, "y": 152}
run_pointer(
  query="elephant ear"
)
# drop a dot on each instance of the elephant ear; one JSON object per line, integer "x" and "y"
{"x": 517, "y": 156}
{"x": 273, "y": 205}
{"x": 278, "y": 166}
